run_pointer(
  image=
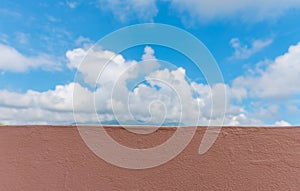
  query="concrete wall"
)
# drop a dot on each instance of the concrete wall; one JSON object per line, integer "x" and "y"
{"x": 243, "y": 158}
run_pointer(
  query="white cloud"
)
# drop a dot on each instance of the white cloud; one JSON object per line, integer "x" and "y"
{"x": 83, "y": 41}
{"x": 54, "y": 100}
{"x": 244, "y": 51}
{"x": 49, "y": 107}
{"x": 166, "y": 97}
{"x": 121, "y": 93}
{"x": 191, "y": 11}
{"x": 282, "y": 123}
{"x": 36, "y": 107}
{"x": 97, "y": 62}
{"x": 72, "y": 4}
{"x": 235, "y": 113}
{"x": 266, "y": 110}
{"x": 115, "y": 78}
{"x": 15, "y": 100}
{"x": 271, "y": 90}
{"x": 124, "y": 10}
{"x": 242, "y": 120}
{"x": 249, "y": 10}
{"x": 31, "y": 115}
{"x": 75, "y": 57}
{"x": 280, "y": 79}
{"x": 14, "y": 61}
{"x": 201, "y": 10}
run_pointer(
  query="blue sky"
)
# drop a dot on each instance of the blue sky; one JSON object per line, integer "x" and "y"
{"x": 255, "y": 43}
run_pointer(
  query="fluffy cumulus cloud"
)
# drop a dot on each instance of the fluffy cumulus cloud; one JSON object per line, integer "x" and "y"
{"x": 279, "y": 79}
{"x": 13, "y": 61}
{"x": 49, "y": 107}
{"x": 272, "y": 88}
{"x": 235, "y": 113}
{"x": 149, "y": 91}
{"x": 134, "y": 91}
{"x": 110, "y": 88}
{"x": 130, "y": 92}
{"x": 53, "y": 106}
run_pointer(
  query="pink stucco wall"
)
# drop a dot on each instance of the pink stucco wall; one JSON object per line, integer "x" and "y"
{"x": 243, "y": 158}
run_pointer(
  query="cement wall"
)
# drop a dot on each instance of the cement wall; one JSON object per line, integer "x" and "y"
{"x": 35, "y": 158}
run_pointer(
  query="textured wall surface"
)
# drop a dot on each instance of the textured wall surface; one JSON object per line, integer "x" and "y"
{"x": 243, "y": 158}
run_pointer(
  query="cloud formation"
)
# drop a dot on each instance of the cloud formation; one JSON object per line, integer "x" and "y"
{"x": 13, "y": 61}
{"x": 278, "y": 80}
{"x": 124, "y": 10}
{"x": 128, "y": 91}
{"x": 149, "y": 92}
{"x": 201, "y": 10}
{"x": 242, "y": 51}
{"x": 248, "y": 10}
{"x": 282, "y": 123}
